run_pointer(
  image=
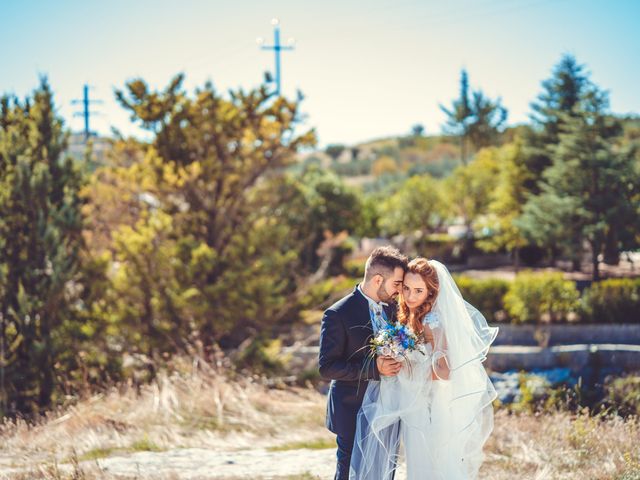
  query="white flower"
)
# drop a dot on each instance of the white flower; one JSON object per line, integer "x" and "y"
{"x": 385, "y": 351}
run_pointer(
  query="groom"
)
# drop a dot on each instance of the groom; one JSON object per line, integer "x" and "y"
{"x": 347, "y": 327}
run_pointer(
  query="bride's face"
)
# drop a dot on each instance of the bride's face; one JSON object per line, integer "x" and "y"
{"x": 414, "y": 290}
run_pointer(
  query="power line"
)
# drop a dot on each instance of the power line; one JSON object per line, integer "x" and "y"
{"x": 490, "y": 9}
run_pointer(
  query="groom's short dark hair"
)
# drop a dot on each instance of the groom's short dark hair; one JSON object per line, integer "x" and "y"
{"x": 383, "y": 261}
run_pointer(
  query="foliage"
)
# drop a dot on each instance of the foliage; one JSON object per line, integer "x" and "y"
{"x": 468, "y": 190}
{"x": 334, "y": 151}
{"x": 505, "y": 203}
{"x": 263, "y": 356}
{"x": 353, "y": 168}
{"x": 383, "y": 165}
{"x": 416, "y": 206}
{"x": 317, "y": 205}
{"x": 417, "y": 130}
{"x": 442, "y": 247}
{"x": 211, "y": 252}
{"x": 615, "y": 300}
{"x": 590, "y": 191}
{"x": 540, "y": 297}
{"x": 476, "y": 119}
{"x": 561, "y": 94}
{"x": 41, "y": 243}
{"x": 623, "y": 395}
{"x": 370, "y": 214}
{"x": 487, "y": 295}
{"x": 328, "y": 290}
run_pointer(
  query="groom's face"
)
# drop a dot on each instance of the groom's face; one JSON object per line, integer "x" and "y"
{"x": 391, "y": 286}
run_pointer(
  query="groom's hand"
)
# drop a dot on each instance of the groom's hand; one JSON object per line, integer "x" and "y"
{"x": 388, "y": 366}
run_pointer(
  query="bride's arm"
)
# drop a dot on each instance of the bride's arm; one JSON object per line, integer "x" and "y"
{"x": 440, "y": 366}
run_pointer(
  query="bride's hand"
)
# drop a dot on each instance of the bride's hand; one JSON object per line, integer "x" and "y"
{"x": 388, "y": 366}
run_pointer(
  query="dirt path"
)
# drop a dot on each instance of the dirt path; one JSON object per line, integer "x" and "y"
{"x": 189, "y": 463}
{"x": 194, "y": 463}
{"x": 201, "y": 464}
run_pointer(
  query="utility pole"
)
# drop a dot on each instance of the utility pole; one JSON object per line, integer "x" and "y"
{"x": 277, "y": 48}
{"x": 85, "y": 110}
{"x": 3, "y": 392}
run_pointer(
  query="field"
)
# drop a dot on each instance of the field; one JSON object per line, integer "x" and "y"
{"x": 203, "y": 422}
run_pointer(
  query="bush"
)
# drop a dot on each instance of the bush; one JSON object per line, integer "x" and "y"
{"x": 340, "y": 252}
{"x": 541, "y": 297}
{"x": 623, "y": 395}
{"x": 263, "y": 355}
{"x": 612, "y": 301}
{"x": 447, "y": 249}
{"x": 486, "y": 295}
{"x": 327, "y": 290}
{"x": 354, "y": 267}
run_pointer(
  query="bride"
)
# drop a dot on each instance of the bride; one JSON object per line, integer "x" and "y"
{"x": 440, "y": 404}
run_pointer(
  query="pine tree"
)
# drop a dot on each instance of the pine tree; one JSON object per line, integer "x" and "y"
{"x": 589, "y": 192}
{"x": 561, "y": 94}
{"x": 40, "y": 224}
{"x": 475, "y": 118}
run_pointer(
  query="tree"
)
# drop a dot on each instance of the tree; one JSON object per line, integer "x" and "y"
{"x": 469, "y": 188}
{"x": 369, "y": 224}
{"x": 383, "y": 165}
{"x": 561, "y": 95}
{"x": 40, "y": 224}
{"x": 506, "y": 203}
{"x": 417, "y": 130}
{"x": 416, "y": 206}
{"x": 488, "y": 118}
{"x": 589, "y": 193}
{"x": 476, "y": 119}
{"x": 207, "y": 256}
{"x": 318, "y": 203}
{"x": 460, "y": 115}
{"x": 334, "y": 151}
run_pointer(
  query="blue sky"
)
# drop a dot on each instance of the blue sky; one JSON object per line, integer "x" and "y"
{"x": 367, "y": 68}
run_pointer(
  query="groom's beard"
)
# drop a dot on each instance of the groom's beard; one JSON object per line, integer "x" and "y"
{"x": 384, "y": 296}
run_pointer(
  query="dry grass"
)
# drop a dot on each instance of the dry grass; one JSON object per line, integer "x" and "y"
{"x": 189, "y": 408}
{"x": 563, "y": 446}
{"x": 205, "y": 409}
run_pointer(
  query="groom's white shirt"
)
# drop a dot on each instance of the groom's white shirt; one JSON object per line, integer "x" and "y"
{"x": 376, "y": 311}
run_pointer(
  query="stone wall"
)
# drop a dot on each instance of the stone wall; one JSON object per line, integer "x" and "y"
{"x": 577, "y": 358}
{"x": 550, "y": 335}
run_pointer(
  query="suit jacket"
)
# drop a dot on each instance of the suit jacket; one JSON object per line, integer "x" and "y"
{"x": 345, "y": 359}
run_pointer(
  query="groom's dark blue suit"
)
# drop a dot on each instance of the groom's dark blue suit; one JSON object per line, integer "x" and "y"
{"x": 344, "y": 359}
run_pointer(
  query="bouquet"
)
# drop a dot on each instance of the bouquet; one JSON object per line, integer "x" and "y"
{"x": 395, "y": 340}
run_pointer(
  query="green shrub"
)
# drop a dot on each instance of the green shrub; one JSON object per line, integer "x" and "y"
{"x": 340, "y": 252}
{"x": 445, "y": 248}
{"x": 623, "y": 395}
{"x": 263, "y": 355}
{"x": 487, "y": 295}
{"x": 311, "y": 375}
{"x": 327, "y": 290}
{"x": 354, "y": 267}
{"x": 615, "y": 300}
{"x": 541, "y": 297}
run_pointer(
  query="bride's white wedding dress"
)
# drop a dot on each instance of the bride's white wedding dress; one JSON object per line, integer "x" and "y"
{"x": 439, "y": 407}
